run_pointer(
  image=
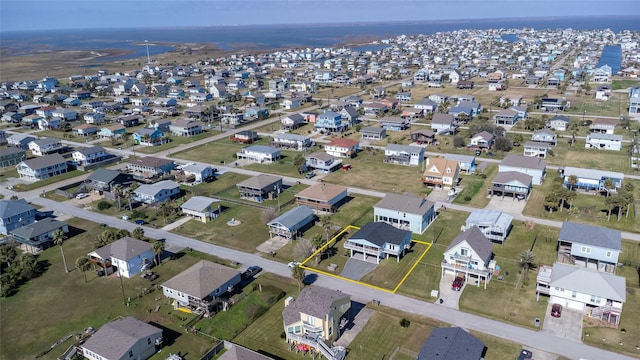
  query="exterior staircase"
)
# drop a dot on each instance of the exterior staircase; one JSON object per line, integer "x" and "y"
{"x": 331, "y": 353}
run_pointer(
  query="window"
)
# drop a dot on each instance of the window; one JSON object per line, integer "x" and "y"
{"x": 595, "y": 299}
{"x": 148, "y": 341}
{"x": 574, "y": 294}
{"x": 608, "y": 254}
{"x": 130, "y": 353}
{"x": 464, "y": 252}
{"x": 585, "y": 250}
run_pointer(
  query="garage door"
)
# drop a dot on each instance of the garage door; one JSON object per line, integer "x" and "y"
{"x": 559, "y": 300}
{"x": 576, "y": 305}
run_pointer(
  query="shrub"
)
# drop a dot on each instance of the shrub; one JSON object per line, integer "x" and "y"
{"x": 467, "y": 198}
{"x": 405, "y": 323}
{"x": 103, "y": 205}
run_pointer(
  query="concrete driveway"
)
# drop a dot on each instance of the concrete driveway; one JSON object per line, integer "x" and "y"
{"x": 355, "y": 269}
{"x": 506, "y": 204}
{"x": 450, "y": 297}
{"x": 568, "y": 325}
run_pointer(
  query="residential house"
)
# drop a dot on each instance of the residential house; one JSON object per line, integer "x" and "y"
{"x": 11, "y": 156}
{"x": 512, "y": 183}
{"x": 534, "y": 166}
{"x": 403, "y": 154}
{"x": 20, "y": 141}
{"x": 412, "y": 114}
{"x": 150, "y": 166}
{"x": 373, "y": 133}
{"x": 186, "y": 127}
{"x": 427, "y": 105}
{"x": 124, "y": 338}
{"x": 604, "y": 141}
{"x": 544, "y": 135}
{"x": 375, "y": 109}
{"x": 469, "y": 254}
{"x": 42, "y": 167}
{"x": 38, "y": 235}
{"x": 45, "y": 146}
{"x": 15, "y": 214}
{"x": 65, "y": 114}
{"x": 323, "y": 197}
{"x": 603, "y": 92}
{"x": 553, "y": 104}
{"x": 439, "y": 98}
{"x": 634, "y": 101}
{"x": 292, "y": 121}
{"x": 601, "y": 295}
{"x": 379, "y": 240}
{"x": 440, "y": 172}
{"x": 559, "y": 123}
{"x": 322, "y": 162}
{"x": 316, "y": 316}
{"x": 292, "y": 223}
{"x": 350, "y": 115}
{"x": 103, "y": 179}
{"x": 114, "y": 131}
{"x": 157, "y": 192}
{"x": 592, "y": 179}
{"x": 330, "y": 122}
{"x": 482, "y": 140}
{"x": 244, "y": 136}
{"x": 423, "y": 136}
{"x": 291, "y": 103}
{"x": 149, "y": 137}
{"x": 342, "y": 147}
{"x": 494, "y": 224}
{"x": 160, "y": 125}
{"x": 259, "y": 154}
{"x": 589, "y": 246}
{"x": 237, "y": 352}
{"x": 506, "y": 117}
{"x": 603, "y": 126}
{"x": 452, "y": 343}
{"x": 406, "y": 212}
{"x": 126, "y": 256}
{"x": 129, "y": 120}
{"x": 199, "y": 173}
{"x": 90, "y": 155}
{"x": 602, "y": 74}
{"x": 48, "y": 123}
{"x": 536, "y": 149}
{"x": 85, "y": 130}
{"x": 200, "y": 284}
{"x": 291, "y": 142}
{"x": 93, "y": 118}
{"x": 201, "y": 208}
{"x": 260, "y": 187}
{"x": 394, "y": 123}
{"x": 467, "y": 163}
{"x": 443, "y": 123}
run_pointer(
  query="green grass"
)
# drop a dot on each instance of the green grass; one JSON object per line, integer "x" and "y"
{"x": 8, "y": 172}
{"x": 79, "y": 304}
{"x": 623, "y": 84}
{"x": 48, "y": 181}
{"x": 390, "y": 272}
{"x": 474, "y": 192}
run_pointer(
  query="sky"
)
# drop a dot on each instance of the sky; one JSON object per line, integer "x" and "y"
{"x": 84, "y": 14}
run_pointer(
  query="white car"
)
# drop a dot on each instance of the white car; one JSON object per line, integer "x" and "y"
{"x": 293, "y": 264}
{"x": 82, "y": 196}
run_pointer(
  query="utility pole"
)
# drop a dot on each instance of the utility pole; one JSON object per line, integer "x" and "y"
{"x": 146, "y": 42}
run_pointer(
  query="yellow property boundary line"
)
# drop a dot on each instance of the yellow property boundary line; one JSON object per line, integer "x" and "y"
{"x": 333, "y": 240}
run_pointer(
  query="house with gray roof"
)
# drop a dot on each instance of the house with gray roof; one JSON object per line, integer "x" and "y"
{"x": 373, "y": 133}
{"x": 292, "y": 223}
{"x": 11, "y": 156}
{"x": 494, "y": 224}
{"x": 41, "y": 147}
{"x": 291, "y": 141}
{"x": 150, "y": 166}
{"x": 511, "y": 183}
{"x": 322, "y": 162}
{"x": 590, "y": 246}
{"x": 469, "y": 254}
{"x": 38, "y": 235}
{"x": 600, "y": 293}
{"x": 90, "y": 155}
{"x": 20, "y": 140}
{"x": 203, "y": 282}
{"x": 592, "y": 179}
{"x": 127, "y": 256}
{"x": 15, "y": 214}
{"x": 533, "y": 166}
{"x": 198, "y": 173}
{"x": 103, "y": 179}
{"x": 42, "y": 167}
{"x": 405, "y": 211}
{"x": 259, "y": 154}
{"x": 604, "y": 141}
{"x": 157, "y": 192}
{"x": 316, "y": 312}
{"x": 124, "y": 338}
{"x": 536, "y": 149}
{"x": 260, "y": 187}
{"x": 403, "y": 154}
{"x": 379, "y": 240}
{"x": 443, "y": 123}
{"x": 237, "y": 352}
{"x": 451, "y": 343}
{"x": 202, "y": 208}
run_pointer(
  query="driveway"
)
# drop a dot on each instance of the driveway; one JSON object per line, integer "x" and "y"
{"x": 568, "y": 325}
{"x": 506, "y": 204}
{"x": 357, "y": 318}
{"x": 450, "y": 298}
{"x": 355, "y": 269}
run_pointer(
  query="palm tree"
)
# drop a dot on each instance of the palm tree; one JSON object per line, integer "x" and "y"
{"x": 526, "y": 262}
{"x": 83, "y": 264}
{"x": 58, "y": 238}
{"x": 608, "y": 185}
{"x": 7, "y": 254}
{"x": 317, "y": 243}
{"x": 158, "y": 249}
{"x": 572, "y": 181}
{"x": 138, "y": 233}
{"x": 551, "y": 201}
{"x": 117, "y": 192}
{"x": 326, "y": 224}
{"x": 163, "y": 209}
{"x": 298, "y": 274}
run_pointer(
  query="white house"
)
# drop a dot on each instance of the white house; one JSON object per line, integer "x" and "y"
{"x": 494, "y": 224}
{"x": 201, "y": 173}
{"x": 404, "y": 154}
{"x": 129, "y": 256}
{"x": 469, "y": 254}
{"x": 406, "y": 212}
{"x": 536, "y": 149}
{"x": 157, "y": 192}
{"x": 604, "y": 142}
{"x": 202, "y": 208}
{"x": 442, "y": 123}
{"x": 534, "y": 166}
{"x": 42, "y": 167}
{"x": 89, "y": 155}
{"x": 259, "y": 154}
{"x": 342, "y": 147}
{"x": 291, "y": 141}
{"x": 41, "y": 147}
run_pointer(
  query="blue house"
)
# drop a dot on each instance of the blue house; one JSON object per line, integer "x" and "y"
{"x": 256, "y": 112}
{"x": 592, "y": 179}
{"x": 593, "y": 247}
{"x": 71, "y": 102}
{"x": 467, "y": 163}
{"x": 15, "y": 214}
{"x": 330, "y": 121}
{"x": 149, "y": 137}
{"x": 292, "y": 223}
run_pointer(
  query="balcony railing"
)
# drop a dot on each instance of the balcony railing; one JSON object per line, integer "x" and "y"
{"x": 466, "y": 269}
{"x": 365, "y": 249}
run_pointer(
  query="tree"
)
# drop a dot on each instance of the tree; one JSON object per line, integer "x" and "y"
{"x": 326, "y": 224}
{"x": 303, "y": 249}
{"x": 158, "y": 249}
{"x": 163, "y": 210}
{"x": 317, "y": 243}
{"x": 572, "y": 181}
{"x": 298, "y": 274}
{"x": 138, "y": 233}
{"x": 551, "y": 201}
{"x": 7, "y": 254}
{"x": 28, "y": 266}
{"x": 83, "y": 264}
{"x": 58, "y": 238}
{"x": 610, "y": 204}
{"x": 608, "y": 186}
{"x": 117, "y": 192}
{"x": 503, "y": 144}
{"x": 526, "y": 262}
{"x": 458, "y": 141}
{"x": 518, "y": 139}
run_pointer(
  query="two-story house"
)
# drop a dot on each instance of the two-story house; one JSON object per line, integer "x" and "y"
{"x": 559, "y": 123}
{"x": 291, "y": 142}
{"x": 292, "y": 121}
{"x": 534, "y": 166}
{"x": 90, "y": 155}
{"x": 259, "y": 154}
{"x": 292, "y": 223}
{"x": 149, "y": 137}
{"x": 186, "y": 127}
{"x": 443, "y": 123}
{"x": 494, "y": 224}
{"x": 330, "y": 122}
{"x": 260, "y": 187}
{"x": 157, "y": 192}
{"x": 544, "y": 135}
{"x": 589, "y": 246}
{"x": 45, "y": 146}
{"x": 403, "y": 154}
{"x": 11, "y": 156}
{"x": 440, "y": 172}
{"x": 511, "y": 183}
{"x": 482, "y": 140}
{"x": 150, "y": 166}
{"x": 379, "y": 240}
{"x": 103, "y": 179}
{"x": 42, "y": 167}
{"x": 126, "y": 256}
{"x": 604, "y": 141}
{"x": 136, "y": 340}
{"x": 15, "y": 214}
{"x": 201, "y": 208}
{"x": 342, "y": 147}
{"x": 469, "y": 254}
{"x": 536, "y": 149}
{"x": 405, "y": 211}
{"x": 322, "y": 162}
{"x": 322, "y": 197}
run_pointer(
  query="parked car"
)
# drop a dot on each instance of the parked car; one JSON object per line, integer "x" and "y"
{"x": 293, "y": 264}
{"x": 556, "y": 310}
{"x": 139, "y": 222}
{"x": 82, "y": 196}
{"x": 251, "y": 272}
{"x": 309, "y": 175}
{"x": 149, "y": 275}
{"x": 458, "y": 282}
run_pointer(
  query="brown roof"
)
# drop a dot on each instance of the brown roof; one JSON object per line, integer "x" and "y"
{"x": 260, "y": 181}
{"x": 603, "y": 121}
{"x": 437, "y": 166}
{"x": 343, "y": 143}
{"x": 321, "y": 192}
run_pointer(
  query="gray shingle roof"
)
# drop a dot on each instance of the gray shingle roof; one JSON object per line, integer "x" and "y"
{"x": 198, "y": 203}
{"x": 237, "y": 352}
{"x": 405, "y": 203}
{"x": 10, "y": 151}
{"x": 476, "y": 239}
{"x": 91, "y": 150}
{"x": 527, "y": 162}
{"x": 260, "y": 181}
{"x": 589, "y": 282}
{"x": 115, "y": 339}
{"x": 507, "y": 176}
{"x": 38, "y": 228}
{"x": 444, "y": 119}
{"x": 590, "y": 235}
{"x": 103, "y": 175}
{"x": 153, "y": 189}
{"x": 380, "y": 233}
{"x": 312, "y": 300}
{"x": 44, "y": 161}
{"x": 10, "y": 208}
{"x": 201, "y": 279}
{"x": 124, "y": 249}
{"x": 293, "y": 217}
{"x": 452, "y": 343}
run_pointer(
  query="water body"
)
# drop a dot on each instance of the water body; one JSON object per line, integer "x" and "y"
{"x": 264, "y": 37}
{"x": 510, "y": 37}
{"x": 612, "y": 56}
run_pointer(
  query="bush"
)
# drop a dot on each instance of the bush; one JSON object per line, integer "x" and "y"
{"x": 405, "y": 323}
{"x": 467, "y": 198}
{"x": 103, "y": 205}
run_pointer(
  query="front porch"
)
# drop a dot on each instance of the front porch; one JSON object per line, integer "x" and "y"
{"x": 457, "y": 268}
{"x": 375, "y": 252}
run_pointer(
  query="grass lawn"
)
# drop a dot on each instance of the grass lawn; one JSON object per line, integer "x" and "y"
{"x": 48, "y": 181}
{"x": 8, "y": 172}
{"x": 79, "y": 304}
{"x": 474, "y": 192}
{"x": 175, "y": 142}
{"x": 617, "y": 84}
{"x": 390, "y": 272}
